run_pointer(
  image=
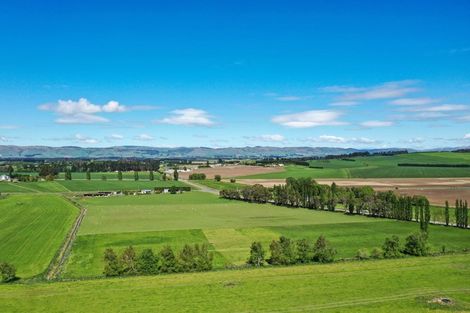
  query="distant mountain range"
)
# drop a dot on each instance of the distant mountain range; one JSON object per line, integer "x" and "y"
{"x": 45, "y": 152}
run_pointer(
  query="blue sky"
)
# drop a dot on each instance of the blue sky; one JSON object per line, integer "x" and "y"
{"x": 235, "y": 73}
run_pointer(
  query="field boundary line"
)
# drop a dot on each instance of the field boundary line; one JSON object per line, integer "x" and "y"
{"x": 59, "y": 260}
{"x": 202, "y": 188}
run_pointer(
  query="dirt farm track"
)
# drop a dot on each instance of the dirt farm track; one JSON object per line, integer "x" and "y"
{"x": 438, "y": 190}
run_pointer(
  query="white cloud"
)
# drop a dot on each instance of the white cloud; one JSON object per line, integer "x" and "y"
{"x": 3, "y": 139}
{"x": 343, "y": 103}
{"x": 189, "y": 117}
{"x": 439, "y": 108}
{"x": 370, "y": 124}
{"x": 267, "y": 138}
{"x": 288, "y": 98}
{"x": 144, "y": 137}
{"x": 84, "y": 139}
{"x": 388, "y": 90}
{"x": 115, "y": 137}
{"x": 307, "y": 119}
{"x": 417, "y": 140}
{"x": 466, "y": 136}
{"x": 412, "y": 101}
{"x": 85, "y": 112}
{"x": 81, "y": 118}
{"x": 343, "y": 140}
{"x": 113, "y": 106}
{"x": 335, "y": 139}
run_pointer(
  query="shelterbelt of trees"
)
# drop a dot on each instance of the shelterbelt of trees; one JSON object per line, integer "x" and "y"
{"x": 306, "y": 193}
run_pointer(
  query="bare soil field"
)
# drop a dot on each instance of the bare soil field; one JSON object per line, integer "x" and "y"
{"x": 232, "y": 171}
{"x": 437, "y": 190}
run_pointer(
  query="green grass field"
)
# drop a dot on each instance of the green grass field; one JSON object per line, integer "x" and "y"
{"x": 229, "y": 227}
{"x": 379, "y": 167}
{"x": 84, "y": 185}
{"x": 400, "y": 286}
{"x": 32, "y": 228}
{"x": 219, "y": 185}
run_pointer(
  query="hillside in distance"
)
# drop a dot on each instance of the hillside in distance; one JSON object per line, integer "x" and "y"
{"x": 45, "y": 152}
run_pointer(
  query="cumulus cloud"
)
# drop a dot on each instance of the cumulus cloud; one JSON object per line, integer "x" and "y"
{"x": 113, "y": 106}
{"x": 412, "y": 101}
{"x": 188, "y": 117}
{"x": 371, "y": 124}
{"x": 115, "y": 137}
{"x": 388, "y": 90}
{"x": 267, "y": 138}
{"x": 83, "y": 111}
{"x": 144, "y": 137}
{"x": 84, "y": 139}
{"x": 308, "y": 119}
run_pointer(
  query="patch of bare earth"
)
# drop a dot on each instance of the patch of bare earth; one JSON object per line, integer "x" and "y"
{"x": 437, "y": 190}
{"x": 233, "y": 171}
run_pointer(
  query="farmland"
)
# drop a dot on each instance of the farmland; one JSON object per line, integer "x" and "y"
{"x": 228, "y": 227}
{"x": 404, "y": 285}
{"x": 378, "y": 167}
{"x": 84, "y": 185}
{"x": 32, "y": 228}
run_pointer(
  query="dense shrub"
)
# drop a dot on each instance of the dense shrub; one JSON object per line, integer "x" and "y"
{"x": 217, "y": 178}
{"x": 256, "y": 254}
{"x": 377, "y": 253}
{"x": 322, "y": 252}
{"x": 362, "y": 254}
{"x": 416, "y": 244}
{"x": 391, "y": 247}
{"x": 8, "y": 272}
{"x": 197, "y": 176}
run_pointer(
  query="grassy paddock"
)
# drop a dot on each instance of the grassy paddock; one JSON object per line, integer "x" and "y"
{"x": 219, "y": 185}
{"x": 229, "y": 227}
{"x": 59, "y": 186}
{"x": 32, "y": 228}
{"x": 403, "y": 285}
{"x": 379, "y": 167}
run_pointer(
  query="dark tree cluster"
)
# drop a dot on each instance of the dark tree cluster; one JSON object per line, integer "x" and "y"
{"x": 8, "y": 272}
{"x": 461, "y": 213}
{"x": 306, "y": 193}
{"x": 195, "y": 258}
{"x": 286, "y": 251}
{"x": 197, "y": 176}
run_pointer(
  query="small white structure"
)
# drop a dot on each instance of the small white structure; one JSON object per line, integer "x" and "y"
{"x": 146, "y": 191}
{"x": 5, "y": 178}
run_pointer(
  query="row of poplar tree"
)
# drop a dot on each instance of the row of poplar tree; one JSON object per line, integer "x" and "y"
{"x": 196, "y": 258}
{"x": 151, "y": 176}
{"x": 461, "y": 213}
{"x": 306, "y": 193}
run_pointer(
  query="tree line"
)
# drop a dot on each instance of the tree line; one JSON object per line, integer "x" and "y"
{"x": 306, "y": 193}
{"x": 286, "y": 251}
{"x": 191, "y": 258}
{"x": 461, "y": 213}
